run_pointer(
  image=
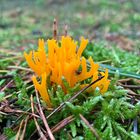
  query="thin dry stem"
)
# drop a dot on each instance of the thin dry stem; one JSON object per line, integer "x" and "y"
{"x": 55, "y": 29}
{"x": 133, "y": 93}
{"x": 129, "y": 86}
{"x": 11, "y": 58}
{"x": 62, "y": 124}
{"x": 124, "y": 80}
{"x": 36, "y": 123}
{"x": 6, "y": 86}
{"x": 24, "y": 129}
{"x": 44, "y": 119}
{"x": 6, "y": 77}
{"x": 19, "y": 68}
{"x": 8, "y": 96}
{"x": 18, "y": 133}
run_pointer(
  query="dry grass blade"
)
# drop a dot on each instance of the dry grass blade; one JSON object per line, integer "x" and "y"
{"x": 36, "y": 123}
{"x": 62, "y": 124}
{"x": 11, "y": 58}
{"x": 8, "y": 96}
{"x": 6, "y": 77}
{"x": 74, "y": 96}
{"x": 18, "y": 133}
{"x": 6, "y": 86}
{"x": 44, "y": 119}
{"x": 129, "y": 86}
{"x": 9, "y": 52}
{"x": 19, "y": 68}
{"x": 24, "y": 129}
{"x": 133, "y": 93}
{"x": 90, "y": 127}
{"x": 4, "y": 71}
{"x": 132, "y": 97}
{"x": 124, "y": 80}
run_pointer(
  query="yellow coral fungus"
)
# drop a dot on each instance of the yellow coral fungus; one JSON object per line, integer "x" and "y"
{"x": 63, "y": 60}
{"x": 42, "y": 88}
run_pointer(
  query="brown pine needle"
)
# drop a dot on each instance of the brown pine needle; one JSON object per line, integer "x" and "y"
{"x": 18, "y": 133}
{"x": 90, "y": 127}
{"x": 132, "y": 93}
{"x": 24, "y": 129}
{"x": 8, "y": 96}
{"x": 6, "y": 77}
{"x": 44, "y": 119}
{"x": 129, "y": 86}
{"x": 11, "y": 58}
{"x": 36, "y": 123}
{"x": 62, "y": 124}
{"x": 6, "y": 86}
{"x": 20, "y": 68}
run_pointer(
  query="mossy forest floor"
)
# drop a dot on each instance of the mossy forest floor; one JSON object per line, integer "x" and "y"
{"x": 113, "y": 28}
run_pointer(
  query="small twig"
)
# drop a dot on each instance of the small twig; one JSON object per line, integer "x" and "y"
{"x": 6, "y": 76}
{"x": 7, "y": 109}
{"x": 11, "y": 58}
{"x": 6, "y": 86}
{"x": 55, "y": 29}
{"x": 130, "y": 97}
{"x": 28, "y": 113}
{"x": 44, "y": 119}
{"x": 24, "y": 129}
{"x": 18, "y": 133}
{"x": 124, "y": 80}
{"x": 36, "y": 123}
{"x": 132, "y": 93}
{"x": 25, "y": 112}
{"x": 8, "y": 103}
{"x": 62, "y": 124}
{"x": 129, "y": 86}
{"x": 8, "y": 96}
{"x": 90, "y": 127}
{"x": 73, "y": 97}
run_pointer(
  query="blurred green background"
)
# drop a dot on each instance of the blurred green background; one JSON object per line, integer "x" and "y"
{"x": 113, "y": 21}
